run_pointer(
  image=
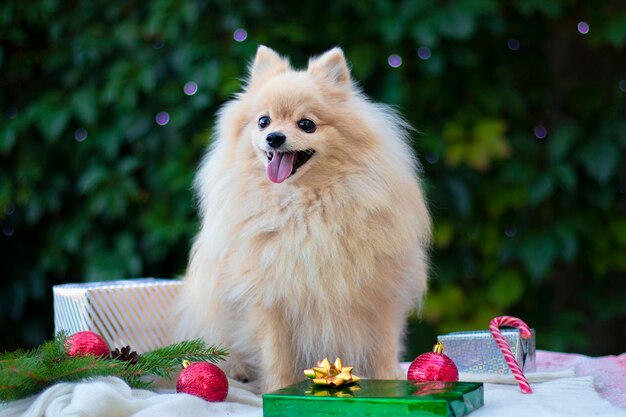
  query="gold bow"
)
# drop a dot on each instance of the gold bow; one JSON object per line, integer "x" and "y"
{"x": 331, "y": 374}
{"x": 345, "y": 391}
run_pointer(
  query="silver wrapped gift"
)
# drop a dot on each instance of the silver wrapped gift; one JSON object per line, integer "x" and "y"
{"x": 477, "y": 351}
{"x": 134, "y": 312}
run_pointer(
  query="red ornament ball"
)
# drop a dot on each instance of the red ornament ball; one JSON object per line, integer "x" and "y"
{"x": 203, "y": 380}
{"x": 86, "y": 344}
{"x": 433, "y": 366}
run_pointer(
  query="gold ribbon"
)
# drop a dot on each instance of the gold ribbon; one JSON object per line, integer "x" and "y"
{"x": 331, "y": 374}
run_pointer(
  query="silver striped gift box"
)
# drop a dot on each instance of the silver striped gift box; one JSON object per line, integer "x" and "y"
{"x": 134, "y": 312}
{"x": 477, "y": 351}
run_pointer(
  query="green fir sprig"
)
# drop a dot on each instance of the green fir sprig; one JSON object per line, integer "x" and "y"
{"x": 24, "y": 373}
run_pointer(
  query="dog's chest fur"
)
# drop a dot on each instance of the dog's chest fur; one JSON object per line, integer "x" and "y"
{"x": 305, "y": 244}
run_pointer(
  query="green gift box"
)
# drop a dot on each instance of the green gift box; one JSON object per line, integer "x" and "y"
{"x": 375, "y": 397}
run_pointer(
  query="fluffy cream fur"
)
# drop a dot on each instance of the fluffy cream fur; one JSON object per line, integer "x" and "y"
{"x": 327, "y": 263}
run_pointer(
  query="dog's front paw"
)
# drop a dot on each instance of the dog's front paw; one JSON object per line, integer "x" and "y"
{"x": 236, "y": 369}
{"x": 272, "y": 384}
{"x": 391, "y": 372}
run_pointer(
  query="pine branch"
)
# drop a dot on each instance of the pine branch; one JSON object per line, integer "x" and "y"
{"x": 162, "y": 362}
{"x": 24, "y": 373}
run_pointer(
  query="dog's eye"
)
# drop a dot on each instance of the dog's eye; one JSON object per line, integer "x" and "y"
{"x": 307, "y": 125}
{"x": 264, "y": 121}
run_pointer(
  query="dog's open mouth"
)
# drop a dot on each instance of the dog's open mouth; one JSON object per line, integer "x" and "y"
{"x": 282, "y": 165}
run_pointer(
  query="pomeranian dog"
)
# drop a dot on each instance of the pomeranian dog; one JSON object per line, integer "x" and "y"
{"x": 314, "y": 228}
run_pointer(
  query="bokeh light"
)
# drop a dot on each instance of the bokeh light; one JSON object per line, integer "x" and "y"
{"x": 162, "y": 118}
{"x": 12, "y": 112}
{"x": 622, "y": 85}
{"x": 541, "y": 132}
{"x": 9, "y": 210}
{"x": 240, "y": 35}
{"x": 80, "y": 134}
{"x": 394, "y": 60}
{"x": 423, "y": 52}
{"x": 513, "y": 44}
{"x": 431, "y": 157}
{"x": 8, "y": 230}
{"x": 583, "y": 27}
{"x": 190, "y": 88}
{"x": 510, "y": 231}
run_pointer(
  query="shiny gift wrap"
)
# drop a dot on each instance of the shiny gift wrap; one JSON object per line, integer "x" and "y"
{"x": 478, "y": 352}
{"x": 375, "y": 397}
{"x": 134, "y": 312}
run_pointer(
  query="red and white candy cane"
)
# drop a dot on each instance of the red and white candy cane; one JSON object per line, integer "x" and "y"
{"x": 494, "y": 328}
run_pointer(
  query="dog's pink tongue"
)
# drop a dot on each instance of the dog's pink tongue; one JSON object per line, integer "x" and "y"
{"x": 280, "y": 167}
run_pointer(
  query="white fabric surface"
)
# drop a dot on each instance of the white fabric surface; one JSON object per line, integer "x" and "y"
{"x": 532, "y": 377}
{"x": 111, "y": 397}
{"x": 562, "y": 397}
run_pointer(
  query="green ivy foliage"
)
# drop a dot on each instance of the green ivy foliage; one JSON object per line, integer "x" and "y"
{"x": 522, "y": 133}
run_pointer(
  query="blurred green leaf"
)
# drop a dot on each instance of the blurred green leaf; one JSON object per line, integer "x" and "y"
{"x": 51, "y": 115}
{"x": 618, "y": 231}
{"x": 85, "y": 106}
{"x": 506, "y": 289}
{"x": 560, "y": 143}
{"x": 477, "y": 148}
{"x": 361, "y": 57}
{"x": 540, "y": 189}
{"x": 457, "y": 23}
{"x": 566, "y": 176}
{"x": 93, "y": 177}
{"x": 7, "y": 139}
{"x": 551, "y": 8}
{"x": 615, "y": 28}
{"x": 461, "y": 197}
{"x": 443, "y": 234}
{"x": 600, "y": 158}
{"x": 537, "y": 253}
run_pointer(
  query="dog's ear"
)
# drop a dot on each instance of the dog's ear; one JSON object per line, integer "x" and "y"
{"x": 266, "y": 64}
{"x": 331, "y": 67}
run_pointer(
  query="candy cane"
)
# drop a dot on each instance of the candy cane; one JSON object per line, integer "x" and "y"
{"x": 494, "y": 328}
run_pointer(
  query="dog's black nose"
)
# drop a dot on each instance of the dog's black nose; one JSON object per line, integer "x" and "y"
{"x": 275, "y": 139}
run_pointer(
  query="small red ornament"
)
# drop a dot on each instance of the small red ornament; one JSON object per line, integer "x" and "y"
{"x": 86, "y": 344}
{"x": 203, "y": 380}
{"x": 433, "y": 366}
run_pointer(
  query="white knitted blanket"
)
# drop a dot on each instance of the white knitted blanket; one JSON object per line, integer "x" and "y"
{"x": 557, "y": 393}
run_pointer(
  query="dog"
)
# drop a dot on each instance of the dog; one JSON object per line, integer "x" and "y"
{"x": 315, "y": 230}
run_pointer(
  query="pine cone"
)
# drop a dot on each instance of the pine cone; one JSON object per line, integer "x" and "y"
{"x": 125, "y": 355}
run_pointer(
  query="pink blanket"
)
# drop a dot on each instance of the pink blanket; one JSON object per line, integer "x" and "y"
{"x": 609, "y": 372}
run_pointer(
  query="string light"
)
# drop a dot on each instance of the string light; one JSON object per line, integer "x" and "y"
{"x": 12, "y": 112}
{"x": 423, "y": 52}
{"x": 240, "y": 35}
{"x": 583, "y": 27}
{"x": 190, "y": 88}
{"x": 510, "y": 231}
{"x": 8, "y": 230}
{"x": 394, "y": 60}
{"x": 513, "y": 44}
{"x": 80, "y": 134}
{"x": 541, "y": 132}
{"x": 431, "y": 157}
{"x": 162, "y": 118}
